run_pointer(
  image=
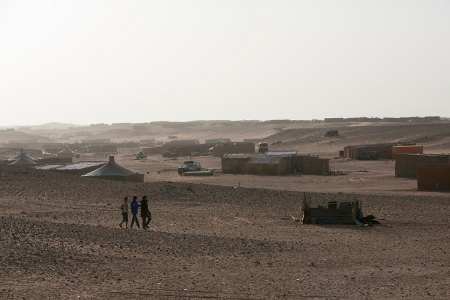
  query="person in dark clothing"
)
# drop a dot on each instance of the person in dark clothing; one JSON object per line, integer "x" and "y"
{"x": 134, "y": 207}
{"x": 124, "y": 209}
{"x": 145, "y": 213}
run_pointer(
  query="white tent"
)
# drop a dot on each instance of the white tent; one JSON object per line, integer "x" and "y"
{"x": 116, "y": 172}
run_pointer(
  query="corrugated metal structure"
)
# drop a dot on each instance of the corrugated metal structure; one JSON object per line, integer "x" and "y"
{"x": 114, "y": 171}
{"x": 406, "y": 163}
{"x": 433, "y": 177}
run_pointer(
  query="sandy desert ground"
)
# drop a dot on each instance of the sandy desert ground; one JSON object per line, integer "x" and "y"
{"x": 229, "y": 236}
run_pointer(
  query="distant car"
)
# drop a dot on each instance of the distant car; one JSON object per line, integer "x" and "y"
{"x": 189, "y": 166}
{"x": 263, "y": 147}
{"x": 141, "y": 155}
{"x": 168, "y": 154}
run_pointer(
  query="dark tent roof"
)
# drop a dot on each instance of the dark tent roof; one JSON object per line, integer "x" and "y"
{"x": 66, "y": 151}
{"x": 18, "y": 156}
{"x": 23, "y": 160}
{"x": 110, "y": 169}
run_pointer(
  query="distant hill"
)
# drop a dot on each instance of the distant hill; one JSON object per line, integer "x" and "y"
{"x": 434, "y": 137}
{"x": 54, "y": 126}
{"x": 18, "y": 136}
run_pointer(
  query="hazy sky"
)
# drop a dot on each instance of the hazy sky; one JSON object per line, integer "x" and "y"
{"x": 138, "y": 61}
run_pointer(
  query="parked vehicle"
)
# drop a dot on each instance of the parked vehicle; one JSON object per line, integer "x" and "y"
{"x": 168, "y": 154}
{"x": 263, "y": 147}
{"x": 189, "y": 166}
{"x": 141, "y": 155}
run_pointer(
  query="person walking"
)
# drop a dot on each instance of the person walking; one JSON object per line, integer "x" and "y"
{"x": 124, "y": 209}
{"x": 145, "y": 213}
{"x": 134, "y": 207}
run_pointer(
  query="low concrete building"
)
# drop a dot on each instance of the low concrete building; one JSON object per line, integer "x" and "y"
{"x": 433, "y": 177}
{"x": 283, "y": 163}
{"x": 406, "y": 163}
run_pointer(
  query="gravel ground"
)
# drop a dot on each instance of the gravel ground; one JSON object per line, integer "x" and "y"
{"x": 60, "y": 239}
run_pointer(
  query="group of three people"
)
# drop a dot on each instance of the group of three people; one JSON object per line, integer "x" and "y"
{"x": 134, "y": 208}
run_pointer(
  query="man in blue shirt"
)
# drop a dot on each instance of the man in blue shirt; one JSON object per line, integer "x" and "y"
{"x": 134, "y": 207}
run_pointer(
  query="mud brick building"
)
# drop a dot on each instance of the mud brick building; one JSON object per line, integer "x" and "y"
{"x": 433, "y": 177}
{"x": 406, "y": 164}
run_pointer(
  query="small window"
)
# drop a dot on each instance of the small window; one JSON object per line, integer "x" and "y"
{"x": 436, "y": 185}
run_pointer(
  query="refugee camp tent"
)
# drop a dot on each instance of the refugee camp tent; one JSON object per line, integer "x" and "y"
{"x": 113, "y": 171}
{"x": 18, "y": 156}
{"x": 66, "y": 153}
{"x": 23, "y": 160}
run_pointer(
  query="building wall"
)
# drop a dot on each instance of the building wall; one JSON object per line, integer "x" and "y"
{"x": 264, "y": 169}
{"x": 406, "y": 149}
{"x": 66, "y": 155}
{"x": 177, "y": 143}
{"x": 154, "y": 150}
{"x": 128, "y": 145}
{"x": 383, "y": 150}
{"x": 315, "y": 166}
{"x": 406, "y": 163}
{"x": 308, "y": 165}
{"x": 230, "y": 148}
{"x": 110, "y": 148}
{"x": 234, "y": 165}
{"x": 433, "y": 177}
{"x": 188, "y": 149}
